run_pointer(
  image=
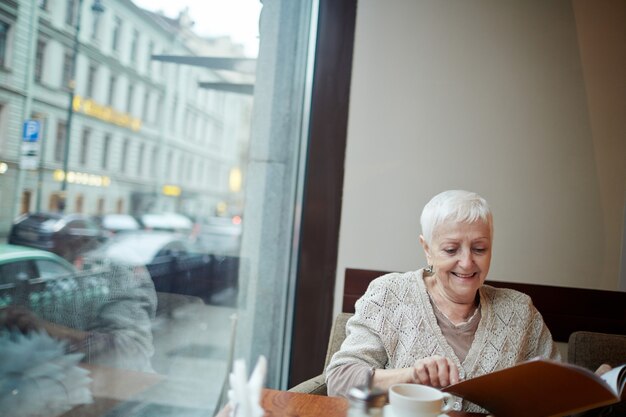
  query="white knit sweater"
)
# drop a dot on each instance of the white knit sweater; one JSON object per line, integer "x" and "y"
{"x": 394, "y": 325}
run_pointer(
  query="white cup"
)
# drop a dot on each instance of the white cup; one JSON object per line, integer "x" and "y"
{"x": 413, "y": 400}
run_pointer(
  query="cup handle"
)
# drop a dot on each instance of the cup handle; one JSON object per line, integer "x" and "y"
{"x": 448, "y": 401}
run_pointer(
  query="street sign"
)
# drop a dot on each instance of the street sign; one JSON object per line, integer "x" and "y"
{"x": 29, "y": 155}
{"x": 31, "y": 130}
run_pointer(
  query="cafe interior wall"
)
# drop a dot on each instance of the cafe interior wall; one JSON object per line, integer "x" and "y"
{"x": 520, "y": 101}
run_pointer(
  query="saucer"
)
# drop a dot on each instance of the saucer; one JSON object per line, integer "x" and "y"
{"x": 388, "y": 412}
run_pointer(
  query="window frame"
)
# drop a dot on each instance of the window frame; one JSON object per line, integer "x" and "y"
{"x": 6, "y": 42}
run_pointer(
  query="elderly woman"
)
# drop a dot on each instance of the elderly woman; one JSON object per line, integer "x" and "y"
{"x": 440, "y": 324}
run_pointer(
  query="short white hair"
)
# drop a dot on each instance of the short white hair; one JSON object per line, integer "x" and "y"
{"x": 458, "y": 206}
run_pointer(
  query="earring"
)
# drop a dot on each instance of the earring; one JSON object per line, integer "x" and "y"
{"x": 429, "y": 269}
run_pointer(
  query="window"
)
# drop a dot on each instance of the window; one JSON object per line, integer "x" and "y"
{"x": 43, "y": 4}
{"x": 117, "y": 27}
{"x": 84, "y": 146}
{"x": 189, "y": 170}
{"x": 140, "y": 158}
{"x": 54, "y": 201}
{"x": 100, "y": 206}
{"x": 106, "y": 146}
{"x": 67, "y": 70}
{"x": 112, "y": 87}
{"x": 158, "y": 113}
{"x": 91, "y": 80}
{"x": 125, "y": 147}
{"x": 59, "y": 144}
{"x": 18, "y": 271}
{"x": 133, "y": 46}
{"x": 174, "y": 123}
{"x": 80, "y": 203}
{"x": 51, "y": 270}
{"x": 4, "y": 42}
{"x": 71, "y": 12}
{"x": 146, "y": 105}
{"x": 154, "y": 161}
{"x": 129, "y": 99}
{"x": 181, "y": 169}
{"x": 149, "y": 60}
{"x": 39, "y": 59}
{"x": 95, "y": 24}
{"x": 158, "y": 168}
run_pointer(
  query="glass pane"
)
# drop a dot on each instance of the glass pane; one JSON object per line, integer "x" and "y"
{"x": 51, "y": 269}
{"x": 158, "y": 177}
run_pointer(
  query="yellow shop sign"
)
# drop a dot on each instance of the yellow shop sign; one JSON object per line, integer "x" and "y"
{"x": 105, "y": 113}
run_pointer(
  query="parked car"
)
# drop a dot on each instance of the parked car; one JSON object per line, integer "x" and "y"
{"x": 66, "y": 235}
{"x": 220, "y": 235}
{"x": 44, "y": 282}
{"x": 174, "y": 263}
{"x": 19, "y": 264}
{"x": 171, "y": 222}
{"x": 117, "y": 223}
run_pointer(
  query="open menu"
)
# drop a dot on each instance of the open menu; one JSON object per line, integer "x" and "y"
{"x": 542, "y": 387}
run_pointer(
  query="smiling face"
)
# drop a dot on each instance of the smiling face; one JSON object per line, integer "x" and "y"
{"x": 460, "y": 254}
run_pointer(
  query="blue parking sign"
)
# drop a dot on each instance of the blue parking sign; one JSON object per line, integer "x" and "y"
{"x": 31, "y": 130}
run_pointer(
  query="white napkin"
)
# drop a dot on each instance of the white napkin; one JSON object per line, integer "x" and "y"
{"x": 245, "y": 395}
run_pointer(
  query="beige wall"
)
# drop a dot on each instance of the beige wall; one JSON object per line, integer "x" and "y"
{"x": 495, "y": 97}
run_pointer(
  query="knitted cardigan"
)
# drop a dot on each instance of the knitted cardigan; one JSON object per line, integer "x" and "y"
{"x": 394, "y": 325}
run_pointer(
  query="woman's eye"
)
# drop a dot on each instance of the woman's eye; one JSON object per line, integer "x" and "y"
{"x": 450, "y": 251}
{"x": 480, "y": 250}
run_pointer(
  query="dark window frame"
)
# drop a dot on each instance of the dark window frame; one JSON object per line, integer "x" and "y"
{"x": 319, "y": 233}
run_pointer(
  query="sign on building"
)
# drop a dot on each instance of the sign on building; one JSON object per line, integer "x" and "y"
{"x": 31, "y": 135}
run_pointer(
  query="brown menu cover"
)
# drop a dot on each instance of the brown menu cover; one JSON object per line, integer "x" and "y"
{"x": 541, "y": 387}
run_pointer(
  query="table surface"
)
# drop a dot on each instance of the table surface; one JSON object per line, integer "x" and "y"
{"x": 291, "y": 404}
{"x": 111, "y": 387}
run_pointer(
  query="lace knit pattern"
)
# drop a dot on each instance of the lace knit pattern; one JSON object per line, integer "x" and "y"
{"x": 394, "y": 325}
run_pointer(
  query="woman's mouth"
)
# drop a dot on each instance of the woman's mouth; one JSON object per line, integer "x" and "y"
{"x": 458, "y": 274}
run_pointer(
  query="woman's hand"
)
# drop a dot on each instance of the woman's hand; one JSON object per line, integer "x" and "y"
{"x": 436, "y": 371}
{"x": 19, "y": 318}
{"x": 602, "y": 369}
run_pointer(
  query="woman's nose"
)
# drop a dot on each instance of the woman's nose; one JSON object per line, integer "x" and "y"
{"x": 467, "y": 259}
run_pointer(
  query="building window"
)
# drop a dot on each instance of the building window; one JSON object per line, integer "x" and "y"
{"x": 142, "y": 148}
{"x": 120, "y": 206}
{"x": 112, "y": 87}
{"x": 43, "y": 4}
{"x": 150, "y": 53}
{"x": 117, "y": 27}
{"x": 59, "y": 144}
{"x": 84, "y": 146}
{"x": 174, "y": 123}
{"x": 181, "y": 169}
{"x": 39, "y": 57}
{"x": 133, "y": 46}
{"x": 67, "y": 70}
{"x": 154, "y": 162}
{"x": 158, "y": 113}
{"x": 106, "y": 146}
{"x": 100, "y": 206}
{"x": 53, "y": 203}
{"x": 4, "y": 42}
{"x": 146, "y": 105}
{"x": 71, "y": 12}
{"x": 91, "y": 80}
{"x": 129, "y": 98}
{"x": 190, "y": 169}
{"x": 25, "y": 203}
{"x": 125, "y": 147}
{"x": 95, "y": 25}
{"x": 80, "y": 203}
